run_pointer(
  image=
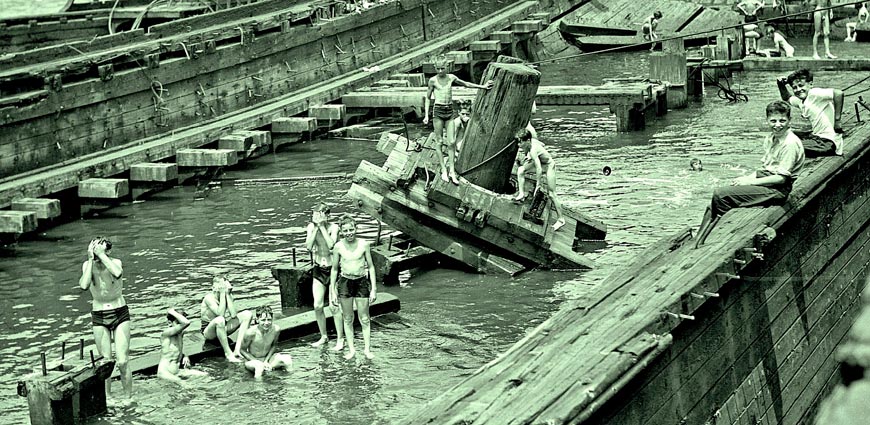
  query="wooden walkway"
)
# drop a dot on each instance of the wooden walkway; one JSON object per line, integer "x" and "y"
{"x": 741, "y": 328}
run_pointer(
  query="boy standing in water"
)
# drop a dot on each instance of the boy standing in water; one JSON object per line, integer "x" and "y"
{"x": 220, "y": 319}
{"x": 320, "y": 238}
{"x": 356, "y": 283}
{"x": 782, "y": 161}
{"x": 172, "y": 358}
{"x": 441, "y": 87}
{"x": 531, "y": 150}
{"x": 649, "y": 28}
{"x": 259, "y": 346}
{"x": 823, "y": 107}
{"x": 109, "y": 312}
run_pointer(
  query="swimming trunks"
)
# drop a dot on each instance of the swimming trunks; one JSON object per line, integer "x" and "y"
{"x": 110, "y": 319}
{"x": 353, "y": 287}
{"x": 321, "y": 273}
{"x": 443, "y": 112}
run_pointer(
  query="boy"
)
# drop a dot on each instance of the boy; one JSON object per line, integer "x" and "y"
{"x": 863, "y": 17}
{"x": 749, "y": 9}
{"x": 460, "y": 125}
{"x": 531, "y": 150}
{"x": 770, "y": 185}
{"x": 649, "y": 29}
{"x": 780, "y": 44}
{"x": 355, "y": 285}
{"x": 110, "y": 315}
{"x": 319, "y": 239}
{"x": 822, "y": 26}
{"x": 220, "y": 319}
{"x": 259, "y": 346}
{"x": 172, "y": 358}
{"x": 441, "y": 87}
{"x": 823, "y": 107}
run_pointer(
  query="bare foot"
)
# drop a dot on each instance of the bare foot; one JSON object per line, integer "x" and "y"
{"x": 558, "y": 224}
{"x": 350, "y": 354}
{"x": 319, "y": 342}
{"x": 829, "y": 55}
{"x": 338, "y": 346}
{"x": 233, "y": 359}
{"x": 369, "y": 354}
{"x": 454, "y": 179}
{"x": 444, "y": 177}
{"x": 816, "y": 56}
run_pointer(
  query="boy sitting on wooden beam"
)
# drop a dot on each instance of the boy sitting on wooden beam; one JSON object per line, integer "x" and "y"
{"x": 823, "y": 107}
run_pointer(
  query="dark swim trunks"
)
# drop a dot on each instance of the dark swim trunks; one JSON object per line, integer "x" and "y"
{"x": 353, "y": 287}
{"x": 443, "y": 112}
{"x": 110, "y": 319}
{"x": 321, "y": 273}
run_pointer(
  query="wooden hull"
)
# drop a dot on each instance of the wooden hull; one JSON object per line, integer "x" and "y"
{"x": 623, "y": 43}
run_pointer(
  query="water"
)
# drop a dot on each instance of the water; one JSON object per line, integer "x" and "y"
{"x": 451, "y": 322}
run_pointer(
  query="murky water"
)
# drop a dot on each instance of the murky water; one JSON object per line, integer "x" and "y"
{"x": 451, "y": 322}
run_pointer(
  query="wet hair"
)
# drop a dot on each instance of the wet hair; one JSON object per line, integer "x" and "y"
{"x": 801, "y": 74}
{"x": 778, "y": 107}
{"x": 104, "y": 240}
{"x": 523, "y": 134}
{"x": 441, "y": 61}
{"x": 171, "y": 318}
{"x": 695, "y": 164}
{"x": 219, "y": 280}
{"x": 263, "y": 309}
{"x": 657, "y": 14}
{"x": 347, "y": 219}
{"x": 321, "y": 207}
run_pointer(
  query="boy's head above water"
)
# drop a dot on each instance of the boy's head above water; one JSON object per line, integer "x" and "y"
{"x": 801, "y": 81}
{"x": 778, "y": 116}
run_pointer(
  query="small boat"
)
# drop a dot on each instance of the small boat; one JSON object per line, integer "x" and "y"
{"x": 626, "y": 42}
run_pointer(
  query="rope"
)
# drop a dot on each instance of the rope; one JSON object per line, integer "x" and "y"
{"x": 855, "y": 84}
{"x": 112, "y": 14}
{"x": 505, "y": 148}
{"x": 675, "y": 37}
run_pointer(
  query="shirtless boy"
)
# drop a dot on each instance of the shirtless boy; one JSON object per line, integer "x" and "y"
{"x": 259, "y": 345}
{"x": 172, "y": 358}
{"x": 822, "y": 26}
{"x": 460, "y": 125}
{"x": 354, "y": 284}
{"x": 109, "y": 312}
{"x": 319, "y": 239}
{"x": 441, "y": 88}
{"x": 220, "y": 319}
{"x": 648, "y": 29}
{"x": 532, "y": 151}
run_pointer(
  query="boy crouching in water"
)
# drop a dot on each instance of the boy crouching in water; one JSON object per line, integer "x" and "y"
{"x": 173, "y": 363}
{"x": 259, "y": 348}
{"x": 782, "y": 161}
{"x": 356, "y": 284}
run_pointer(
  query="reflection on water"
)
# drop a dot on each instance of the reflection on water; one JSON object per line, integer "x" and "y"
{"x": 451, "y": 322}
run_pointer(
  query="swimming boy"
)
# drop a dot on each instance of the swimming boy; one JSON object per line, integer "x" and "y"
{"x": 531, "y": 150}
{"x": 110, "y": 315}
{"x": 319, "y": 239}
{"x": 823, "y": 107}
{"x": 441, "y": 88}
{"x": 172, "y": 358}
{"x": 781, "y": 45}
{"x": 355, "y": 284}
{"x": 822, "y": 26}
{"x": 220, "y": 318}
{"x": 863, "y": 17}
{"x": 782, "y": 161}
{"x": 649, "y": 28}
{"x": 259, "y": 346}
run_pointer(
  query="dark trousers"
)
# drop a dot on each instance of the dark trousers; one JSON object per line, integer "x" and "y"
{"x": 727, "y": 197}
{"x": 815, "y": 146}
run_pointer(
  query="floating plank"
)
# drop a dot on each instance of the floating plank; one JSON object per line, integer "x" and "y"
{"x": 154, "y": 172}
{"x": 17, "y": 222}
{"x": 206, "y": 157}
{"x": 328, "y": 113}
{"x": 782, "y": 64}
{"x": 100, "y": 188}
{"x": 294, "y": 124}
{"x": 43, "y": 207}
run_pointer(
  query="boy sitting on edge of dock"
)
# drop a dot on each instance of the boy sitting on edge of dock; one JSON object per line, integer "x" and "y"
{"x": 823, "y": 107}
{"x": 259, "y": 348}
{"x": 782, "y": 161}
{"x": 320, "y": 237}
{"x": 220, "y": 319}
{"x": 441, "y": 88}
{"x": 781, "y": 46}
{"x": 531, "y": 150}
{"x": 355, "y": 284}
{"x": 173, "y": 363}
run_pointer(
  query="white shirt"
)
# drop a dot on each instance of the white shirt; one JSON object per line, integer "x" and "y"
{"x": 785, "y": 158}
{"x": 818, "y": 107}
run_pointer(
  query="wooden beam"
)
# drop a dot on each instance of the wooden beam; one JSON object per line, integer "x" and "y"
{"x": 294, "y": 124}
{"x": 43, "y": 207}
{"x": 17, "y": 222}
{"x": 100, "y": 188}
{"x": 206, "y": 157}
{"x": 154, "y": 172}
{"x": 328, "y": 113}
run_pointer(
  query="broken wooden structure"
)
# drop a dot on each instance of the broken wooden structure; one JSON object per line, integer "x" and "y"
{"x": 742, "y": 330}
{"x": 475, "y": 222}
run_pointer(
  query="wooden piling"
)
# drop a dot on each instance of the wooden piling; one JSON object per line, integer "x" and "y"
{"x": 70, "y": 396}
{"x": 670, "y": 66}
{"x": 496, "y": 117}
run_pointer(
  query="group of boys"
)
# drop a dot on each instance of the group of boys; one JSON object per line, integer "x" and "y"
{"x": 342, "y": 268}
{"x": 784, "y": 152}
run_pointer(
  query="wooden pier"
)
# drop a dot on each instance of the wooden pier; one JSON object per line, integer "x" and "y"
{"x": 741, "y": 330}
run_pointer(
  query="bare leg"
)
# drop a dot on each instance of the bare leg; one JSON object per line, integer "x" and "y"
{"x": 166, "y": 376}
{"x": 338, "y": 317}
{"x": 347, "y": 312}
{"x": 438, "y": 125}
{"x": 551, "y": 190}
{"x": 103, "y": 341}
{"x": 319, "y": 291}
{"x": 217, "y": 328}
{"x": 826, "y": 30}
{"x": 521, "y": 182}
{"x": 244, "y": 318}
{"x": 122, "y": 352}
{"x": 362, "y": 309}
{"x": 281, "y": 360}
{"x": 451, "y": 150}
{"x": 707, "y": 224}
{"x": 817, "y": 31}
{"x": 255, "y": 366}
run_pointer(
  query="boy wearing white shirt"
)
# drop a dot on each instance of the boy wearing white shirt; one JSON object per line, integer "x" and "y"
{"x": 823, "y": 107}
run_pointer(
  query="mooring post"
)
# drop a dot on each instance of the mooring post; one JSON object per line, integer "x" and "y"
{"x": 390, "y": 243}
{"x": 294, "y": 256}
{"x": 670, "y": 65}
{"x": 44, "y": 368}
{"x": 93, "y": 362}
{"x": 62, "y": 349}
{"x": 81, "y": 349}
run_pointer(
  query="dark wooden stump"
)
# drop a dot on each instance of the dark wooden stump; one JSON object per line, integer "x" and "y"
{"x": 486, "y": 159}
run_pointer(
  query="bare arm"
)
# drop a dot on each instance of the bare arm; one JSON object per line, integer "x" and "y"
{"x": 87, "y": 275}
{"x": 784, "y": 91}
{"x": 333, "y": 276}
{"x": 485, "y": 86}
{"x": 246, "y": 344}
{"x": 180, "y": 326}
{"x": 371, "y": 265}
{"x": 838, "y": 106}
{"x": 327, "y": 234}
{"x": 429, "y": 91}
{"x": 218, "y": 308}
{"x": 310, "y": 233}
{"x": 113, "y": 265}
{"x": 272, "y": 345}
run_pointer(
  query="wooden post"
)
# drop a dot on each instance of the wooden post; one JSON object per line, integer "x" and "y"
{"x": 66, "y": 397}
{"x": 496, "y": 116}
{"x": 670, "y": 66}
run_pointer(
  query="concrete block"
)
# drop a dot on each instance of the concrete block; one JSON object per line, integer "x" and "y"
{"x": 154, "y": 172}
{"x": 294, "y": 124}
{"x": 104, "y": 188}
{"x": 43, "y": 207}
{"x": 206, "y": 157}
{"x": 328, "y": 113}
{"x": 485, "y": 46}
{"x": 531, "y": 25}
{"x": 17, "y": 221}
{"x": 414, "y": 80}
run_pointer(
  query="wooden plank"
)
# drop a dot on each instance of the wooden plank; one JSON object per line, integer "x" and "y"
{"x": 526, "y": 26}
{"x": 206, "y": 157}
{"x": 414, "y": 80}
{"x": 459, "y": 57}
{"x": 17, "y": 222}
{"x": 43, "y": 207}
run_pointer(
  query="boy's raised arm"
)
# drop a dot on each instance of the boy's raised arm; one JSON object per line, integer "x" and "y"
{"x": 784, "y": 92}
{"x": 181, "y": 323}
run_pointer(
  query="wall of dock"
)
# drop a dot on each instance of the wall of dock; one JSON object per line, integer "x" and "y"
{"x": 763, "y": 352}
